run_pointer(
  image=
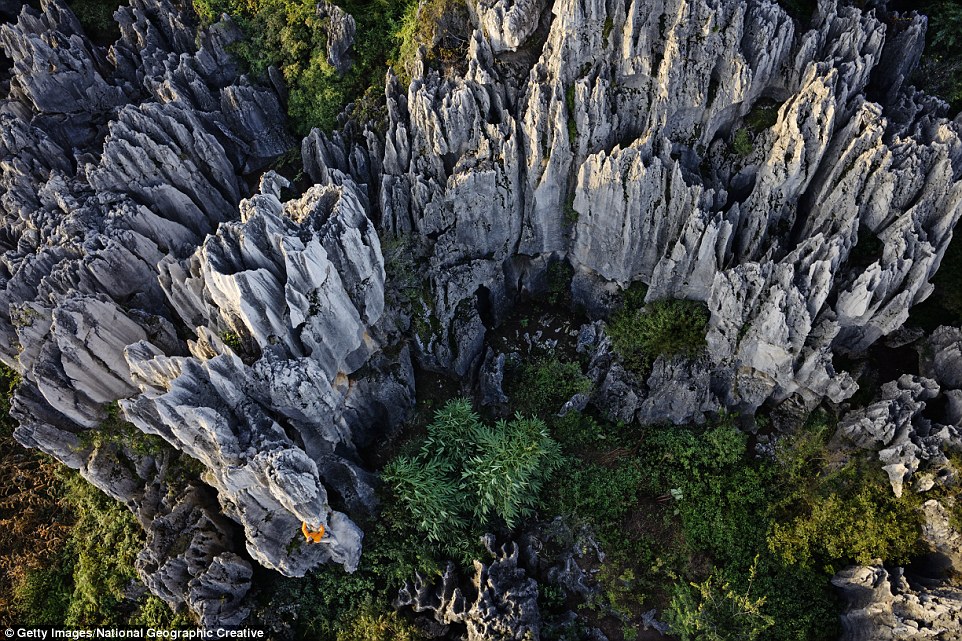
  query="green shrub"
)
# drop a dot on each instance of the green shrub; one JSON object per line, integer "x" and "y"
{"x": 946, "y": 26}
{"x": 603, "y": 496}
{"x": 289, "y": 35}
{"x": 370, "y": 625}
{"x": 114, "y": 430}
{"x": 42, "y": 597}
{"x": 764, "y": 114}
{"x": 87, "y": 584}
{"x": 714, "y": 610}
{"x": 155, "y": 613}
{"x": 468, "y": 473}
{"x": 664, "y": 327}
{"x": 840, "y": 528}
{"x": 718, "y": 495}
{"x": 837, "y": 508}
{"x": 578, "y": 432}
{"x": 509, "y": 468}
{"x": 742, "y": 143}
{"x": 544, "y": 384}
{"x": 106, "y": 541}
{"x": 9, "y": 380}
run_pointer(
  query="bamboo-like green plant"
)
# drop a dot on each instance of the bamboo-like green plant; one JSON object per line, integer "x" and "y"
{"x": 467, "y": 472}
{"x": 507, "y": 474}
{"x": 455, "y": 434}
{"x": 427, "y": 495}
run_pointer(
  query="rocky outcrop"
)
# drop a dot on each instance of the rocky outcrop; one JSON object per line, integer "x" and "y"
{"x": 713, "y": 150}
{"x": 243, "y": 350}
{"x": 502, "y": 603}
{"x": 274, "y": 415}
{"x": 616, "y": 149}
{"x": 904, "y": 435}
{"x": 340, "y": 28}
{"x": 509, "y": 23}
{"x": 883, "y": 607}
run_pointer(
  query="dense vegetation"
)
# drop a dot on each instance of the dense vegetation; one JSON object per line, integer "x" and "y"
{"x": 728, "y": 545}
{"x": 468, "y": 473}
{"x": 289, "y": 35}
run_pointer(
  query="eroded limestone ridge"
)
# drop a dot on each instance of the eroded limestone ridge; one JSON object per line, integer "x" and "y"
{"x": 714, "y": 150}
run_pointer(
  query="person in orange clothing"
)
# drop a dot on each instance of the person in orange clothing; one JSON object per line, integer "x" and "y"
{"x": 312, "y": 536}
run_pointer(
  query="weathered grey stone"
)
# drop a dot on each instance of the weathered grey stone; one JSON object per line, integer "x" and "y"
{"x": 509, "y": 23}
{"x": 883, "y": 607}
{"x": 941, "y": 357}
{"x": 492, "y": 378}
{"x": 944, "y": 540}
{"x": 340, "y": 28}
{"x": 502, "y": 604}
{"x": 896, "y": 427}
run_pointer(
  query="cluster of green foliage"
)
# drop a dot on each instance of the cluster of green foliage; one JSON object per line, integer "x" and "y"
{"x": 691, "y": 523}
{"x": 9, "y": 380}
{"x": 667, "y": 327}
{"x": 839, "y": 513}
{"x": 715, "y": 611}
{"x": 88, "y": 585}
{"x": 289, "y": 35}
{"x": 114, "y": 430}
{"x": 763, "y": 115}
{"x": 97, "y": 19}
{"x": 544, "y": 383}
{"x": 742, "y": 143}
{"x": 468, "y": 473}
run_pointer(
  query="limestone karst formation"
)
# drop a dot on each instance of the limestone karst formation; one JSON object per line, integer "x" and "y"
{"x": 153, "y": 262}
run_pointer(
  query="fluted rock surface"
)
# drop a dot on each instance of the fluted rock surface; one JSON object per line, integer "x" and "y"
{"x": 117, "y": 165}
{"x": 715, "y": 150}
{"x": 883, "y": 607}
{"x": 300, "y": 284}
{"x": 616, "y": 150}
{"x": 502, "y": 603}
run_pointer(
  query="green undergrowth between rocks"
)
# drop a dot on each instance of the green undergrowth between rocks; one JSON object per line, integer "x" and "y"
{"x": 289, "y": 35}
{"x": 668, "y": 327}
{"x": 690, "y": 521}
{"x": 67, "y": 550}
